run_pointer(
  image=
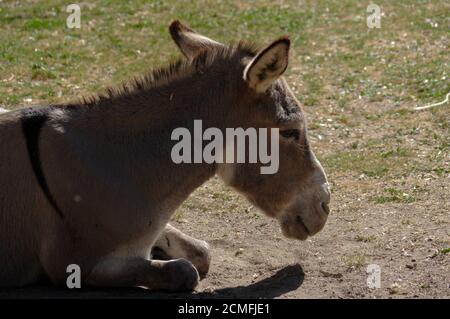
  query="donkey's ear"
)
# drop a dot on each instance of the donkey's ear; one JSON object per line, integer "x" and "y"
{"x": 268, "y": 65}
{"x": 189, "y": 41}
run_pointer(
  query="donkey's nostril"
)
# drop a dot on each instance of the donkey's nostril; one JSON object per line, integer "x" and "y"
{"x": 325, "y": 208}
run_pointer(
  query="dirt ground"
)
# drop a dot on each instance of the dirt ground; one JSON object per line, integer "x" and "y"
{"x": 250, "y": 255}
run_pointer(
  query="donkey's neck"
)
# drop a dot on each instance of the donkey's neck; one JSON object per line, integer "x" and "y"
{"x": 132, "y": 135}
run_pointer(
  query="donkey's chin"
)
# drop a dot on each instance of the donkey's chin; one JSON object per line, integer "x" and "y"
{"x": 300, "y": 231}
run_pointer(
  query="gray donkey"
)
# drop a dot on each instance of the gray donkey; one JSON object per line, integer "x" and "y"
{"x": 92, "y": 183}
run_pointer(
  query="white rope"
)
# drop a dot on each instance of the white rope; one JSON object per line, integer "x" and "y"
{"x": 420, "y": 108}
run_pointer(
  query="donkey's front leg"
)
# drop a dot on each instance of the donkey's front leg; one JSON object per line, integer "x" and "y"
{"x": 172, "y": 243}
{"x": 172, "y": 275}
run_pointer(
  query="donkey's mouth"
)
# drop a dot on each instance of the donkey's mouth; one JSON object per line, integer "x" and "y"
{"x": 295, "y": 229}
{"x": 299, "y": 220}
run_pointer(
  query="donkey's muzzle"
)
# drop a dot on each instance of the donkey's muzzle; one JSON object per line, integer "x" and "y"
{"x": 308, "y": 214}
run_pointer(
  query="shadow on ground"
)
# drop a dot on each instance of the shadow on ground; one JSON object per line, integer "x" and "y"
{"x": 283, "y": 281}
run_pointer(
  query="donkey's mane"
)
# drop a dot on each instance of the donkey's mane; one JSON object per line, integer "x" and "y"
{"x": 177, "y": 70}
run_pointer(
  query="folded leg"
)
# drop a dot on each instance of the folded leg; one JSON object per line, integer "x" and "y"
{"x": 172, "y": 275}
{"x": 173, "y": 243}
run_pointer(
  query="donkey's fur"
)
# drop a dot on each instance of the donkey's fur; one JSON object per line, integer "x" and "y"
{"x": 93, "y": 184}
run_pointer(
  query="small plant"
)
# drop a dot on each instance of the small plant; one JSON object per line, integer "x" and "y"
{"x": 178, "y": 215}
{"x": 395, "y": 196}
{"x": 355, "y": 261}
{"x": 365, "y": 239}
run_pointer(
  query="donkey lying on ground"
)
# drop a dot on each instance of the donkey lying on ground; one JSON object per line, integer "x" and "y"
{"x": 93, "y": 183}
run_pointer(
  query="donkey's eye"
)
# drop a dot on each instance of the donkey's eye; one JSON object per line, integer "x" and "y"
{"x": 290, "y": 134}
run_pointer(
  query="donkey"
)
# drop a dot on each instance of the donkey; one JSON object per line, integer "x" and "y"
{"x": 92, "y": 182}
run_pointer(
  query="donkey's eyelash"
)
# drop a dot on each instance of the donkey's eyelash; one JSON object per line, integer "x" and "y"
{"x": 290, "y": 134}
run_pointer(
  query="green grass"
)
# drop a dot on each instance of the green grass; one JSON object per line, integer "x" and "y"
{"x": 365, "y": 239}
{"x": 395, "y": 196}
{"x": 113, "y": 32}
{"x": 41, "y": 24}
{"x": 368, "y": 160}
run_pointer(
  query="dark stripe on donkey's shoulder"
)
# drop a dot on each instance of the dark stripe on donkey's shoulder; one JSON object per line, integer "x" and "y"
{"x": 33, "y": 119}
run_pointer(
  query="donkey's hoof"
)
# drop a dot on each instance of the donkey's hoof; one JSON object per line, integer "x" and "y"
{"x": 183, "y": 275}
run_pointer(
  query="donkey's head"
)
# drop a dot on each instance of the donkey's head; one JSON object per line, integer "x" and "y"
{"x": 297, "y": 195}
